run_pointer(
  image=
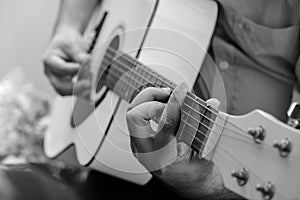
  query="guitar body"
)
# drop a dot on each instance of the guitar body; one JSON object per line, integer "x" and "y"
{"x": 170, "y": 37}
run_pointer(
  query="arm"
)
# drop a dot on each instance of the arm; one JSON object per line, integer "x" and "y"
{"x": 67, "y": 49}
{"x": 171, "y": 162}
{"x": 74, "y": 14}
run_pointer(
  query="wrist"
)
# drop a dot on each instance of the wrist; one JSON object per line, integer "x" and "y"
{"x": 74, "y": 15}
{"x": 66, "y": 29}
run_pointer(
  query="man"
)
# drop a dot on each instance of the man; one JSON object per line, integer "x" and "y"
{"x": 256, "y": 48}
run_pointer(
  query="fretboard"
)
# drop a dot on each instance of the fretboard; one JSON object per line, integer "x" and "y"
{"x": 127, "y": 77}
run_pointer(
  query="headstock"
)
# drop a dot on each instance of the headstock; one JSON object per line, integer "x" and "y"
{"x": 258, "y": 156}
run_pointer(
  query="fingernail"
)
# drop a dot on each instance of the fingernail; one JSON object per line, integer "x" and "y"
{"x": 166, "y": 90}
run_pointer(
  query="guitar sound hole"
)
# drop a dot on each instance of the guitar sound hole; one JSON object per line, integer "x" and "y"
{"x": 107, "y": 61}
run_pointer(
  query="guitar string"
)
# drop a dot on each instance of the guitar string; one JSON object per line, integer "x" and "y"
{"x": 216, "y": 151}
{"x": 117, "y": 60}
{"x": 250, "y": 141}
{"x": 149, "y": 71}
{"x": 246, "y": 136}
{"x": 136, "y": 62}
{"x": 219, "y": 145}
{"x": 249, "y": 138}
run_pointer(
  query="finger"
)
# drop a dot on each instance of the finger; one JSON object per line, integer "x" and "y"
{"x": 85, "y": 69}
{"x": 78, "y": 51}
{"x": 138, "y": 121}
{"x": 170, "y": 119}
{"x": 82, "y": 89}
{"x": 152, "y": 156}
{"x": 214, "y": 103}
{"x": 56, "y": 65}
{"x": 150, "y": 94}
{"x": 63, "y": 86}
{"x": 140, "y": 116}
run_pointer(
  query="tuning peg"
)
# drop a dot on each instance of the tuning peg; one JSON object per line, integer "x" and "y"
{"x": 284, "y": 146}
{"x": 267, "y": 190}
{"x": 241, "y": 176}
{"x": 294, "y": 115}
{"x": 258, "y": 133}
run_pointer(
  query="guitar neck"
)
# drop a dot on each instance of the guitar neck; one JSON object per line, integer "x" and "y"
{"x": 127, "y": 77}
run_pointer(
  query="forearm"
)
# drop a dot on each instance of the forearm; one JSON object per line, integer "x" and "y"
{"x": 213, "y": 188}
{"x": 196, "y": 181}
{"x": 74, "y": 14}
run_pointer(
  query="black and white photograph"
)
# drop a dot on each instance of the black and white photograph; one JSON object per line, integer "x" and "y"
{"x": 149, "y": 99}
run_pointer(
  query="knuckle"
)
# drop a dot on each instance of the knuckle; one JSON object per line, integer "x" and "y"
{"x": 129, "y": 116}
{"x": 148, "y": 90}
{"x": 132, "y": 116}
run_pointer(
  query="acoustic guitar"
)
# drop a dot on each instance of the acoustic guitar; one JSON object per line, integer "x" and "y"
{"x": 161, "y": 43}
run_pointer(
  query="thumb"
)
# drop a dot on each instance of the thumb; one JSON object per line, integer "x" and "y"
{"x": 170, "y": 118}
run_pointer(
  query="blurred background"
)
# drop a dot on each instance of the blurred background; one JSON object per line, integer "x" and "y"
{"x": 25, "y": 95}
{"x": 25, "y": 30}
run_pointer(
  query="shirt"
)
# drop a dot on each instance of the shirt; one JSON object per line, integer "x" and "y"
{"x": 256, "y": 50}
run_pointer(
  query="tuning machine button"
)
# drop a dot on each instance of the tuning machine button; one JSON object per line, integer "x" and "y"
{"x": 294, "y": 115}
{"x": 284, "y": 146}
{"x": 258, "y": 133}
{"x": 267, "y": 190}
{"x": 242, "y": 176}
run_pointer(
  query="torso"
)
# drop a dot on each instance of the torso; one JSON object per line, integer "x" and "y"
{"x": 256, "y": 48}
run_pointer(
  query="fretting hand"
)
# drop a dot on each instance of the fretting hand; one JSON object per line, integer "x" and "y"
{"x": 168, "y": 160}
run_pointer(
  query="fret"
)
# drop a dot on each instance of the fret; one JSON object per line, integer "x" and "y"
{"x": 194, "y": 120}
{"x": 134, "y": 84}
{"x": 148, "y": 77}
{"x": 133, "y": 62}
{"x": 135, "y": 80}
{"x": 198, "y": 120}
{"x": 143, "y": 74}
{"x": 123, "y": 86}
{"x": 141, "y": 80}
{"x": 158, "y": 83}
{"x": 138, "y": 71}
{"x": 129, "y": 85}
{"x": 165, "y": 82}
{"x": 153, "y": 79}
{"x": 120, "y": 63}
{"x": 182, "y": 134}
